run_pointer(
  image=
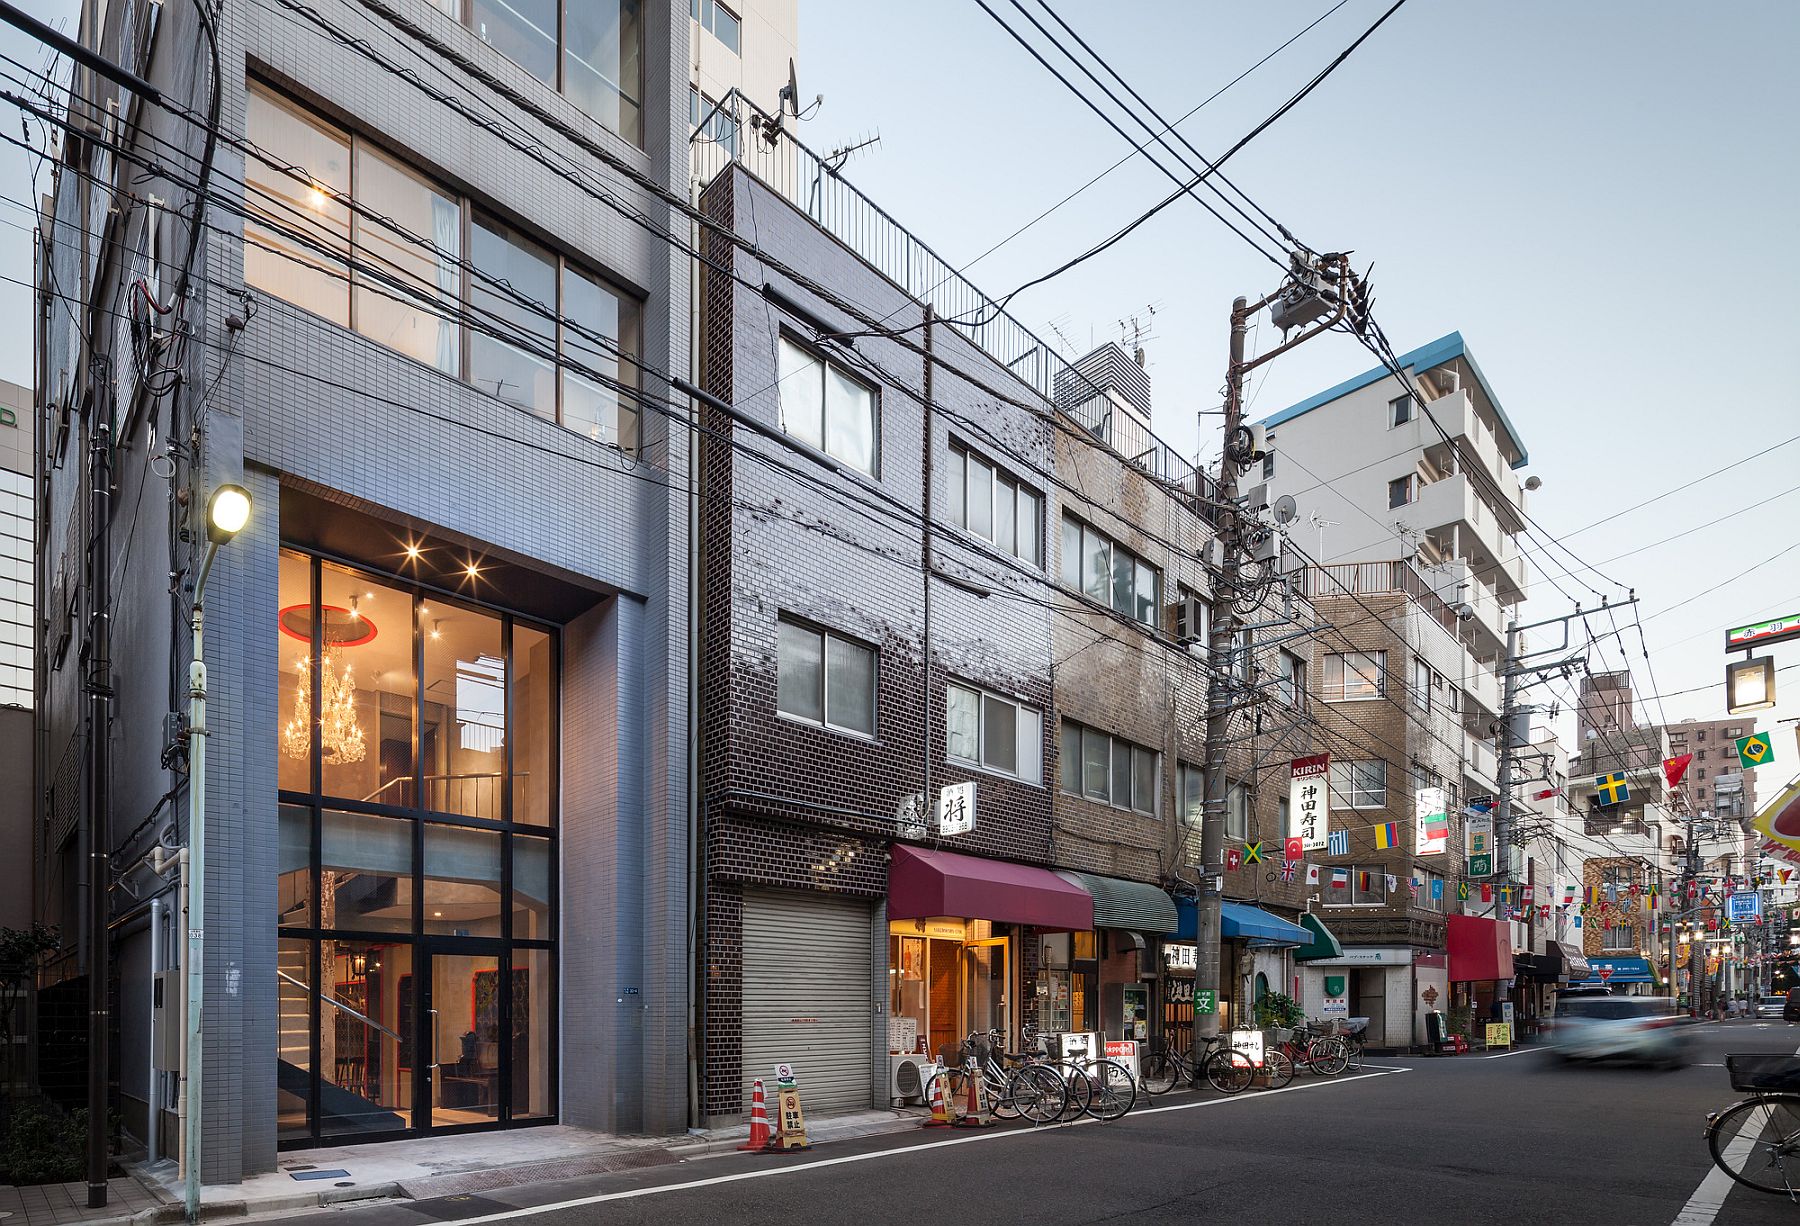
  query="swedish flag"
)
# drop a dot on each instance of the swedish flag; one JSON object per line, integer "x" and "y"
{"x": 1612, "y": 789}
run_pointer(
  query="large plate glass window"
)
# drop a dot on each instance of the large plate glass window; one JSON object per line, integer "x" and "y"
{"x": 418, "y": 830}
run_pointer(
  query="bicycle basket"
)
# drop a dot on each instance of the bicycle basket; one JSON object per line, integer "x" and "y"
{"x": 1280, "y": 1034}
{"x": 1757, "y": 1071}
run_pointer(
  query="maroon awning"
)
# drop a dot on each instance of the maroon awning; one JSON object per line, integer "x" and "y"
{"x": 923, "y": 883}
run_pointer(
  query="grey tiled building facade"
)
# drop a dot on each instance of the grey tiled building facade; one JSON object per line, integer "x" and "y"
{"x": 425, "y": 482}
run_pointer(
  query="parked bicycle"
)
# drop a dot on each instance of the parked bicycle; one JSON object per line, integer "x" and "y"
{"x": 1317, "y": 1049}
{"x": 1756, "y": 1141}
{"x": 1100, "y": 1087}
{"x": 1225, "y": 1069}
{"x": 1014, "y": 1085}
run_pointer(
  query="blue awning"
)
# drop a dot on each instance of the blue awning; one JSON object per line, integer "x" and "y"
{"x": 1624, "y": 970}
{"x": 1187, "y": 921}
{"x": 1242, "y": 922}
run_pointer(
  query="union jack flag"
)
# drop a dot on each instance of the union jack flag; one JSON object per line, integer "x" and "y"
{"x": 1287, "y": 869}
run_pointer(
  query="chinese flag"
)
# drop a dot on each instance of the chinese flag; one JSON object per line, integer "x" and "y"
{"x": 1674, "y": 768}
{"x": 1291, "y": 850}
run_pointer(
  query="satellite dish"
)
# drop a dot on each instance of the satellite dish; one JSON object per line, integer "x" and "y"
{"x": 1285, "y": 509}
{"x": 790, "y": 93}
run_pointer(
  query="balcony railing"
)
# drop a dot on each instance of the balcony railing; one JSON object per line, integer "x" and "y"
{"x": 1379, "y": 578}
{"x": 816, "y": 186}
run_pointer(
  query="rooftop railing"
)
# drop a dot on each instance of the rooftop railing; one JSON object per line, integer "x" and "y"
{"x": 731, "y": 130}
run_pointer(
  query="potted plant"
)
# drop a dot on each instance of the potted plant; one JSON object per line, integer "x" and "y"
{"x": 1277, "y": 1011}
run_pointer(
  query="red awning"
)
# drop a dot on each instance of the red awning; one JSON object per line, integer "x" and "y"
{"x": 1479, "y": 949}
{"x": 925, "y": 883}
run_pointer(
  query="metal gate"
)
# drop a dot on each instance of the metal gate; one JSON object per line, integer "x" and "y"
{"x": 807, "y": 987}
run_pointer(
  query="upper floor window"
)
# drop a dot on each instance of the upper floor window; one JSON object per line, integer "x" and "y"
{"x": 1400, "y": 410}
{"x": 1402, "y": 490}
{"x": 1291, "y": 686}
{"x": 1190, "y": 793}
{"x": 1427, "y": 686}
{"x": 1352, "y": 675}
{"x": 993, "y": 731}
{"x": 990, "y": 504}
{"x": 712, "y": 121}
{"x": 1237, "y": 812}
{"x": 825, "y": 679}
{"x": 1103, "y": 767}
{"x": 825, "y": 407}
{"x": 1368, "y": 883}
{"x": 596, "y": 60}
{"x": 1359, "y": 785}
{"x": 1619, "y": 936}
{"x": 571, "y": 338}
{"x": 721, "y": 21}
{"x": 1094, "y": 564}
{"x": 1430, "y": 893}
{"x": 1268, "y": 465}
{"x": 1190, "y": 617}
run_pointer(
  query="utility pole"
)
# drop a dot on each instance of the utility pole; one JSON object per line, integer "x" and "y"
{"x": 99, "y": 688}
{"x": 1317, "y": 288}
{"x": 1509, "y": 689}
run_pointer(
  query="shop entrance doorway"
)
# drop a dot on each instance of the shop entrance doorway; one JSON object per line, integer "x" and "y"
{"x": 986, "y": 1003}
{"x": 947, "y": 977}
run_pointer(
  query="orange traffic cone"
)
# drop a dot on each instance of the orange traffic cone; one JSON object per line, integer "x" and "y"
{"x": 974, "y": 1113}
{"x": 940, "y": 1110}
{"x": 759, "y": 1120}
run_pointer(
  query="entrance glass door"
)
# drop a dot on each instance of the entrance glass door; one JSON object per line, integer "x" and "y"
{"x": 461, "y": 1020}
{"x": 986, "y": 1004}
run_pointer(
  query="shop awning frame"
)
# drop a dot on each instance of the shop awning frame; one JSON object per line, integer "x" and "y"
{"x": 923, "y": 883}
{"x": 1323, "y": 943}
{"x": 1624, "y": 970}
{"x": 1240, "y": 921}
{"x": 1119, "y": 903}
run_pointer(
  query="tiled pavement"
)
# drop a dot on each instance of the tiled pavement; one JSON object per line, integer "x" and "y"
{"x": 51, "y": 1203}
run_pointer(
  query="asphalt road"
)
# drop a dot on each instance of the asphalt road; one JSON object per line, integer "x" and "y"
{"x": 1519, "y": 1138}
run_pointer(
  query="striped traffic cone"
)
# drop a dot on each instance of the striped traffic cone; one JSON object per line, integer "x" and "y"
{"x": 975, "y": 1114}
{"x": 940, "y": 1110}
{"x": 759, "y": 1120}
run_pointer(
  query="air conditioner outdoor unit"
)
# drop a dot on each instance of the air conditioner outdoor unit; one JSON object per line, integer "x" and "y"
{"x": 907, "y": 1078}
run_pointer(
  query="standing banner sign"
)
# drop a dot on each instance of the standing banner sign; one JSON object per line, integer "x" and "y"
{"x": 1431, "y": 822}
{"x": 1478, "y": 843}
{"x": 1309, "y": 807}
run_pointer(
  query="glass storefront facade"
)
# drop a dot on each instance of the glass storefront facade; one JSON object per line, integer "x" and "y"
{"x": 418, "y": 849}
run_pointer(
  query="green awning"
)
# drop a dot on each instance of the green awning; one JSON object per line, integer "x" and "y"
{"x": 1322, "y": 945}
{"x": 1126, "y": 904}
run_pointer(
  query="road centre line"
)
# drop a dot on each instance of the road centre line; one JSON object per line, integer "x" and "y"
{"x": 769, "y": 1171}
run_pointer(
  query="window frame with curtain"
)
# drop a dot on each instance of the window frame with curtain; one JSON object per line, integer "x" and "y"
{"x": 971, "y": 714}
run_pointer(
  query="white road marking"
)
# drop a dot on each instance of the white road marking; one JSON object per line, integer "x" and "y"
{"x": 1704, "y": 1205}
{"x": 1520, "y": 1051}
{"x": 771, "y": 1171}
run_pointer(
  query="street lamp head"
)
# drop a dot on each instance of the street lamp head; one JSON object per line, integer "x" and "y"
{"x": 227, "y": 511}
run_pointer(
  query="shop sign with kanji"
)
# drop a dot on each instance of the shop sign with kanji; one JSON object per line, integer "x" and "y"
{"x": 1309, "y": 807}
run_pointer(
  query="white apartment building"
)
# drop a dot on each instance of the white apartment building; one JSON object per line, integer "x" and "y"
{"x": 743, "y": 46}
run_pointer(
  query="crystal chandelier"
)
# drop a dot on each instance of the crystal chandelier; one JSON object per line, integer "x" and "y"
{"x": 340, "y": 736}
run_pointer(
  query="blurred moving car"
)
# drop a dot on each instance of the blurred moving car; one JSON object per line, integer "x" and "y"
{"x": 1644, "y": 1029}
{"x": 1771, "y": 1006}
{"x": 1791, "y": 1011}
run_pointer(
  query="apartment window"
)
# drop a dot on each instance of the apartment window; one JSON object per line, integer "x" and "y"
{"x": 1618, "y": 936}
{"x": 712, "y": 122}
{"x": 1107, "y": 768}
{"x": 988, "y": 503}
{"x": 301, "y": 244}
{"x": 1400, "y": 410}
{"x": 1359, "y": 784}
{"x": 825, "y": 679}
{"x": 1427, "y": 686}
{"x": 1431, "y": 890}
{"x": 718, "y": 19}
{"x": 1190, "y": 792}
{"x": 1237, "y": 812}
{"x": 993, "y": 731}
{"x": 1700, "y": 737}
{"x": 1094, "y": 564}
{"x": 526, "y": 374}
{"x": 596, "y": 62}
{"x": 1352, "y": 676}
{"x": 824, "y": 406}
{"x": 1730, "y": 733}
{"x": 1702, "y": 755}
{"x": 1368, "y": 883}
{"x": 1402, "y": 490}
{"x": 1268, "y": 465}
{"x": 1292, "y": 686}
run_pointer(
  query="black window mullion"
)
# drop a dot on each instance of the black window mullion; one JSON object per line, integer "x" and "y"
{"x": 315, "y": 1009}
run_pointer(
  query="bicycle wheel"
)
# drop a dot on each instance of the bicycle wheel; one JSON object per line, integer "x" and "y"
{"x": 1279, "y": 1068}
{"x": 1229, "y": 1072}
{"x": 1329, "y": 1056}
{"x": 997, "y": 1089}
{"x": 1159, "y": 1072}
{"x": 1114, "y": 1091}
{"x": 1757, "y": 1143}
{"x": 1038, "y": 1093}
{"x": 1080, "y": 1090}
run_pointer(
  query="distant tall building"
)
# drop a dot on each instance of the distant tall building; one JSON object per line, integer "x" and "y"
{"x": 1716, "y": 782}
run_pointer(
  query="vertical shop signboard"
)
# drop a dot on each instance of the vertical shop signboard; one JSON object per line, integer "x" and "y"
{"x": 1309, "y": 806}
{"x": 1431, "y": 821}
{"x": 1478, "y": 842}
{"x": 1337, "y": 997}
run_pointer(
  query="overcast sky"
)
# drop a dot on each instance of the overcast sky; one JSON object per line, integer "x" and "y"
{"x": 1600, "y": 196}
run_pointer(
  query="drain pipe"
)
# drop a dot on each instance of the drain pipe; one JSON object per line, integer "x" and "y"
{"x": 152, "y": 1117}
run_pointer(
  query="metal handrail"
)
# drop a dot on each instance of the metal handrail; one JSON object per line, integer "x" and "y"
{"x": 442, "y": 778}
{"x": 359, "y": 1016}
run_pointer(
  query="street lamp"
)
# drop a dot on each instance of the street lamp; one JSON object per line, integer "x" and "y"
{"x": 1749, "y": 685}
{"x": 227, "y": 511}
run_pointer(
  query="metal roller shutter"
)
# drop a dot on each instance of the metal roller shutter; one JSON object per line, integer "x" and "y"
{"x": 807, "y": 985}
